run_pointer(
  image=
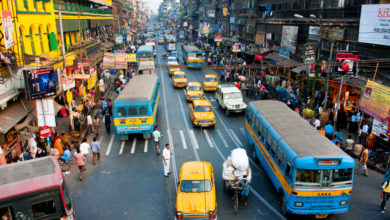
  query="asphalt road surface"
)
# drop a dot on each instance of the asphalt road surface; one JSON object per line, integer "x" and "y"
{"x": 128, "y": 182}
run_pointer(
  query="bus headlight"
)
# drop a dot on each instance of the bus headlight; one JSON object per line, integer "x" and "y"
{"x": 298, "y": 204}
{"x": 344, "y": 202}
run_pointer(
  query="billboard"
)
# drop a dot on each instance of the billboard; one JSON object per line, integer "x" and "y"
{"x": 40, "y": 83}
{"x": 259, "y": 39}
{"x": 289, "y": 38}
{"x": 6, "y": 18}
{"x": 375, "y": 101}
{"x": 309, "y": 53}
{"x": 374, "y": 24}
{"x": 314, "y": 33}
{"x": 109, "y": 61}
{"x": 346, "y": 61}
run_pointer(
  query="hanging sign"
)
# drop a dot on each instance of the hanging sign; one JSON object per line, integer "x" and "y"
{"x": 45, "y": 131}
{"x": 6, "y": 18}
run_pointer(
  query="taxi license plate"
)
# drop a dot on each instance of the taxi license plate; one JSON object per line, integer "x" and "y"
{"x": 321, "y": 216}
{"x": 204, "y": 123}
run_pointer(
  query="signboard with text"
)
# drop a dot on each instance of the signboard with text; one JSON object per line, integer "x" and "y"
{"x": 289, "y": 38}
{"x": 314, "y": 33}
{"x": 346, "y": 61}
{"x": 8, "y": 35}
{"x": 40, "y": 83}
{"x": 374, "y": 25}
{"x": 259, "y": 39}
{"x": 375, "y": 101}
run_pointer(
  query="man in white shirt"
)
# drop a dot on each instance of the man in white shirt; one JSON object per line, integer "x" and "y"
{"x": 89, "y": 124}
{"x": 317, "y": 123}
{"x": 165, "y": 159}
{"x": 84, "y": 147}
{"x": 156, "y": 138}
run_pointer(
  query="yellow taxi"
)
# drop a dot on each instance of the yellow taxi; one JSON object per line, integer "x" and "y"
{"x": 194, "y": 91}
{"x": 210, "y": 82}
{"x": 179, "y": 79}
{"x": 196, "y": 197}
{"x": 160, "y": 41}
{"x": 201, "y": 113}
{"x": 173, "y": 68}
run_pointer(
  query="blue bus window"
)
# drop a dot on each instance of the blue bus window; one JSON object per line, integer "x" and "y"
{"x": 280, "y": 156}
{"x": 121, "y": 112}
{"x": 287, "y": 172}
{"x": 342, "y": 175}
{"x": 132, "y": 111}
{"x": 273, "y": 149}
{"x": 264, "y": 135}
{"x": 143, "y": 110}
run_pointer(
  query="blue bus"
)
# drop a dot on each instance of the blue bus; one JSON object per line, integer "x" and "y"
{"x": 144, "y": 53}
{"x": 192, "y": 56}
{"x": 311, "y": 175}
{"x": 135, "y": 108}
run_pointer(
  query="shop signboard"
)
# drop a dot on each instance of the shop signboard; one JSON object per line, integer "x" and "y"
{"x": 211, "y": 13}
{"x": 92, "y": 79}
{"x": 121, "y": 61}
{"x": 346, "y": 62}
{"x": 236, "y": 48}
{"x": 40, "y": 83}
{"x": 216, "y": 28}
{"x": 68, "y": 83}
{"x": 118, "y": 39}
{"x": 284, "y": 52}
{"x": 109, "y": 61}
{"x": 45, "y": 112}
{"x": 8, "y": 28}
{"x": 69, "y": 96}
{"x": 374, "y": 24}
{"x": 268, "y": 36}
{"x": 380, "y": 129}
{"x": 259, "y": 57}
{"x": 309, "y": 54}
{"x": 332, "y": 34}
{"x": 259, "y": 39}
{"x": 131, "y": 58}
{"x": 314, "y": 33}
{"x": 124, "y": 37}
{"x": 242, "y": 47}
{"x": 289, "y": 38}
{"x": 232, "y": 20}
{"x": 375, "y": 101}
{"x": 218, "y": 38}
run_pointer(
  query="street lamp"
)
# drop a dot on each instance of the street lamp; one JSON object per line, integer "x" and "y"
{"x": 299, "y": 16}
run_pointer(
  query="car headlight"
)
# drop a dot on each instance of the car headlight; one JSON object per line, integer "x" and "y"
{"x": 344, "y": 202}
{"x": 229, "y": 106}
{"x": 211, "y": 212}
{"x": 179, "y": 214}
{"x": 244, "y": 105}
{"x": 298, "y": 204}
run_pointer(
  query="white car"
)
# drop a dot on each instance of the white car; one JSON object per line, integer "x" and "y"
{"x": 172, "y": 61}
{"x": 230, "y": 99}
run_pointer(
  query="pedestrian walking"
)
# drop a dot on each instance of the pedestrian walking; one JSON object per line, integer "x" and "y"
{"x": 80, "y": 160}
{"x": 84, "y": 147}
{"x": 363, "y": 161}
{"x": 95, "y": 148}
{"x": 156, "y": 138}
{"x": 109, "y": 104}
{"x": 96, "y": 124}
{"x": 107, "y": 121}
{"x": 349, "y": 144}
{"x": 165, "y": 159}
{"x": 385, "y": 195}
{"x": 89, "y": 124}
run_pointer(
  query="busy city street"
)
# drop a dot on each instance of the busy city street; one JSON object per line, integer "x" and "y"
{"x": 194, "y": 109}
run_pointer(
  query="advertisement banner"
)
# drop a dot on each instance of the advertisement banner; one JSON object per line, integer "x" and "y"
{"x": 6, "y": 18}
{"x": 109, "y": 61}
{"x": 314, "y": 33}
{"x": 40, "y": 83}
{"x": 131, "y": 58}
{"x": 309, "y": 53}
{"x": 284, "y": 52}
{"x": 121, "y": 61}
{"x": 118, "y": 39}
{"x": 268, "y": 36}
{"x": 375, "y": 101}
{"x": 289, "y": 38}
{"x": 374, "y": 24}
{"x": 232, "y": 20}
{"x": 259, "y": 39}
{"x": 211, "y": 13}
{"x": 92, "y": 79}
{"x": 218, "y": 38}
{"x": 236, "y": 47}
{"x": 346, "y": 62}
{"x": 332, "y": 34}
{"x": 46, "y": 113}
{"x": 68, "y": 83}
{"x": 380, "y": 129}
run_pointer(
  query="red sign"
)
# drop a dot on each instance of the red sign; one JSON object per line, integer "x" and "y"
{"x": 258, "y": 57}
{"x": 45, "y": 131}
{"x": 347, "y": 56}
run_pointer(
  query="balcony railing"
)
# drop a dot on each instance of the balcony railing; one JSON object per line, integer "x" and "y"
{"x": 76, "y": 8}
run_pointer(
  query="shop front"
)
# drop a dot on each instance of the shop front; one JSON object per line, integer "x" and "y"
{"x": 349, "y": 97}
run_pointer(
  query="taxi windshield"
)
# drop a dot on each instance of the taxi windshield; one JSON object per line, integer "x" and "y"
{"x": 194, "y": 88}
{"x": 195, "y": 186}
{"x": 172, "y": 59}
{"x": 203, "y": 109}
{"x": 180, "y": 76}
{"x": 210, "y": 79}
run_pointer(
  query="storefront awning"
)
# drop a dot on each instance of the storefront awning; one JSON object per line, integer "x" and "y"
{"x": 299, "y": 69}
{"x": 281, "y": 60}
{"x": 12, "y": 115}
{"x": 102, "y": 2}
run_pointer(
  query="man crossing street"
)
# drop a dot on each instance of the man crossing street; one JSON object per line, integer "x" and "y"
{"x": 107, "y": 121}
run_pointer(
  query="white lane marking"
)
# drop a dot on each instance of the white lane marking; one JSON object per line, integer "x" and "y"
{"x": 146, "y": 145}
{"x": 266, "y": 203}
{"x": 243, "y": 131}
{"x": 235, "y": 137}
{"x": 133, "y": 146}
{"x": 110, "y": 145}
{"x": 183, "y": 139}
{"x": 222, "y": 138}
{"x": 122, "y": 146}
{"x": 193, "y": 139}
{"x": 194, "y": 143}
{"x": 206, "y": 134}
{"x": 175, "y": 179}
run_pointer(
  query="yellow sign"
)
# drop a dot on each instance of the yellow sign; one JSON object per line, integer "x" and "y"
{"x": 92, "y": 80}
{"x": 131, "y": 58}
{"x": 375, "y": 100}
{"x": 69, "y": 96}
{"x": 224, "y": 12}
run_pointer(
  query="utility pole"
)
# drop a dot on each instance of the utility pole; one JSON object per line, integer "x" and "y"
{"x": 81, "y": 52}
{"x": 327, "y": 75}
{"x": 62, "y": 38}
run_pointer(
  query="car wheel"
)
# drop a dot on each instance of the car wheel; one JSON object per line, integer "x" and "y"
{"x": 227, "y": 113}
{"x": 282, "y": 200}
